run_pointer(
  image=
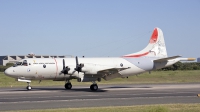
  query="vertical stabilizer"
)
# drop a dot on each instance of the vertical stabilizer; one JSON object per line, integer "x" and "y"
{"x": 155, "y": 48}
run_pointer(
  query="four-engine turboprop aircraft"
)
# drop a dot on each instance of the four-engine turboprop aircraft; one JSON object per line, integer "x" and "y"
{"x": 153, "y": 57}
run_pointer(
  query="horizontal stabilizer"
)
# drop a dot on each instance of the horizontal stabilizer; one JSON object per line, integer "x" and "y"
{"x": 166, "y": 59}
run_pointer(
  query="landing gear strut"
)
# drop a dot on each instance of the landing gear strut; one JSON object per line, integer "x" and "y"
{"x": 29, "y": 86}
{"x": 94, "y": 87}
{"x": 68, "y": 85}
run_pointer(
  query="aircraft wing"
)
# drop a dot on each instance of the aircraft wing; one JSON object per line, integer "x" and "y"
{"x": 111, "y": 73}
{"x": 166, "y": 59}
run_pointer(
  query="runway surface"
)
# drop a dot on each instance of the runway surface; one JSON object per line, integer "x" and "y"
{"x": 107, "y": 95}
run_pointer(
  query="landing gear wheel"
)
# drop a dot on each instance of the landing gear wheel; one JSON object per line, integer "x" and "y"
{"x": 68, "y": 86}
{"x": 28, "y": 87}
{"x": 94, "y": 87}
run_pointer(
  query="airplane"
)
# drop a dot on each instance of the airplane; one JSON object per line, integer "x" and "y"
{"x": 152, "y": 57}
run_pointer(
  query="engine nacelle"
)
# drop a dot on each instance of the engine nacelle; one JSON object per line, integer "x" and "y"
{"x": 89, "y": 70}
{"x": 83, "y": 79}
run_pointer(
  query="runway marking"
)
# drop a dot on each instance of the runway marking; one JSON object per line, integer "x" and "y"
{"x": 99, "y": 95}
{"x": 150, "y": 88}
{"x": 131, "y": 98}
{"x": 18, "y": 92}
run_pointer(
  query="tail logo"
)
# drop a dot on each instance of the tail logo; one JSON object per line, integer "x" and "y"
{"x": 154, "y": 36}
{"x": 156, "y": 46}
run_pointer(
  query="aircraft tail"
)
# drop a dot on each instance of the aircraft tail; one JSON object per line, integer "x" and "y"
{"x": 155, "y": 48}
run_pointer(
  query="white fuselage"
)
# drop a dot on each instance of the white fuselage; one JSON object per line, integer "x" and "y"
{"x": 50, "y": 68}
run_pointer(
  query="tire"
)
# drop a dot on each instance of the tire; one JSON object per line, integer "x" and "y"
{"x": 68, "y": 86}
{"x": 28, "y": 87}
{"x": 94, "y": 87}
{"x": 91, "y": 87}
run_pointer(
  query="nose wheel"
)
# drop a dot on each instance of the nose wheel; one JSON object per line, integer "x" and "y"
{"x": 29, "y": 86}
{"x": 94, "y": 87}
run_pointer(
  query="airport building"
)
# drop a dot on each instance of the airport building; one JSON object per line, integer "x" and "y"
{"x": 198, "y": 60}
{"x": 15, "y": 58}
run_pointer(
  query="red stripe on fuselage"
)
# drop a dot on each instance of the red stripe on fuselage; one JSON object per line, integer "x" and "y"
{"x": 56, "y": 68}
{"x": 137, "y": 55}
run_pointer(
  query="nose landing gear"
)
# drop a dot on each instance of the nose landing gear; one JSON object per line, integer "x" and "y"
{"x": 29, "y": 86}
{"x": 27, "y": 81}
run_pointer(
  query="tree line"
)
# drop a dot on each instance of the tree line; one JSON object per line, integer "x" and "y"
{"x": 183, "y": 66}
{"x": 3, "y": 68}
{"x": 176, "y": 66}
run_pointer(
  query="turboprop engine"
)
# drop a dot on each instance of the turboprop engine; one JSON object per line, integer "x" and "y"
{"x": 79, "y": 70}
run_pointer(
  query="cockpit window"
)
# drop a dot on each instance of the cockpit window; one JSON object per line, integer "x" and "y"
{"x": 17, "y": 64}
{"x": 25, "y": 63}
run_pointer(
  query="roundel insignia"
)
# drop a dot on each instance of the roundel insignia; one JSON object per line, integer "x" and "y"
{"x": 44, "y": 66}
{"x": 28, "y": 70}
{"x": 121, "y": 65}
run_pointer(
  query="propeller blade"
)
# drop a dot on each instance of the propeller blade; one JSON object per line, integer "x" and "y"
{"x": 65, "y": 69}
{"x": 76, "y": 61}
{"x": 63, "y": 64}
{"x": 78, "y": 66}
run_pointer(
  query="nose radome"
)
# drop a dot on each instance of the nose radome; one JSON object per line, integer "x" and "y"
{"x": 7, "y": 72}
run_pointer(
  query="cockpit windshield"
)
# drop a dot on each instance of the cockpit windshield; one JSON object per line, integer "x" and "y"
{"x": 24, "y": 63}
{"x": 17, "y": 64}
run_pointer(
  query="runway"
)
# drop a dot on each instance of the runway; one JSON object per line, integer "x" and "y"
{"x": 107, "y": 95}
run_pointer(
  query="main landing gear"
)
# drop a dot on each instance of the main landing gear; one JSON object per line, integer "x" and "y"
{"x": 68, "y": 85}
{"x": 29, "y": 86}
{"x": 94, "y": 87}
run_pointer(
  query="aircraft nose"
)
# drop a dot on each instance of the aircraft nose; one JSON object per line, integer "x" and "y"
{"x": 8, "y": 72}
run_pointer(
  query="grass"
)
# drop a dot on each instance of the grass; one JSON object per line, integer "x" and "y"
{"x": 139, "y": 108}
{"x": 192, "y": 76}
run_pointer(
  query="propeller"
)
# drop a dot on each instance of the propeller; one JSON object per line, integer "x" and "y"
{"x": 78, "y": 66}
{"x": 65, "y": 69}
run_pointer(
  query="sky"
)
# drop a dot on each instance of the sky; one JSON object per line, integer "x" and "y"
{"x": 94, "y": 28}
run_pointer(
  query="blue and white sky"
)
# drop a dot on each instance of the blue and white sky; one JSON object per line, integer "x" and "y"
{"x": 97, "y": 28}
